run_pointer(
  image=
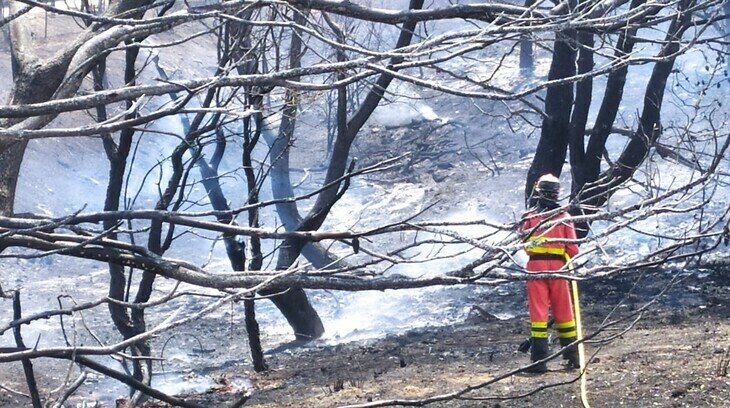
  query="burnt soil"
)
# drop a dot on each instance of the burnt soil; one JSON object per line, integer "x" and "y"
{"x": 671, "y": 353}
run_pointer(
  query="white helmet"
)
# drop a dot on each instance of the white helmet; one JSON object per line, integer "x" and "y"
{"x": 548, "y": 184}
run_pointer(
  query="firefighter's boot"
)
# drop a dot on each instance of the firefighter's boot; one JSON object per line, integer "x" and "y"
{"x": 570, "y": 354}
{"x": 538, "y": 351}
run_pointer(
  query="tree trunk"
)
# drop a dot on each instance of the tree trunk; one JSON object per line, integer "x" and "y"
{"x": 590, "y": 166}
{"x": 36, "y": 81}
{"x": 127, "y": 324}
{"x": 581, "y": 108}
{"x": 554, "y": 136}
{"x": 527, "y": 59}
{"x": 238, "y": 44}
{"x": 11, "y": 158}
{"x": 649, "y": 129}
{"x": 299, "y": 312}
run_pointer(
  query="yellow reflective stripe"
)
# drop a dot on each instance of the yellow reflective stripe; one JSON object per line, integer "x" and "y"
{"x": 539, "y": 329}
{"x": 535, "y": 247}
{"x": 567, "y": 334}
{"x": 565, "y": 325}
{"x": 546, "y": 250}
{"x": 566, "y": 329}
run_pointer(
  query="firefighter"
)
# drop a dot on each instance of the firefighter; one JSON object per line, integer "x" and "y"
{"x": 546, "y": 256}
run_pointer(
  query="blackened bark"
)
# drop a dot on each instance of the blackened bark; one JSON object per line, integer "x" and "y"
{"x": 588, "y": 169}
{"x": 128, "y": 325}
{"x": 591, "y": 166}
{"x": 252, "y": 326}
{"x": 117, "y": 165}
{"x": 280, "y": 183}
{"x": 300, "y": 314}
{"x": 254, "y": 336}
{"x": 582, "y": 106}
{"x": 293, "y": 303}
{"x": 238, "y": 44}
{"x": 253, "y": 190}
{"x": 649, "y": 129}
{"x": 175, "y": 183}
{"x": 27, "y": 364}
{"x": 554, "y": 136}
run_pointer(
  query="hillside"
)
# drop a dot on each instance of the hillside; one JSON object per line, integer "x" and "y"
{"x": 464, "y": 160}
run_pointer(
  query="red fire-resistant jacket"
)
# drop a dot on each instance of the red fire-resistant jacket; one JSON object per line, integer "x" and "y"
{"x": 547, "y": 256}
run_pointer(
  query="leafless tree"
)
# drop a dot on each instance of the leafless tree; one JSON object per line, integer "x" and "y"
{"x": 274, "y": 59}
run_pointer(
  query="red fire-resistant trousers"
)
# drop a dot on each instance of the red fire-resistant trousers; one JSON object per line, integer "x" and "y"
{"x": 543, "y": 293}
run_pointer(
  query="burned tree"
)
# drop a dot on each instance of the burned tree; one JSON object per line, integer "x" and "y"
{"x": 200, "y": 212}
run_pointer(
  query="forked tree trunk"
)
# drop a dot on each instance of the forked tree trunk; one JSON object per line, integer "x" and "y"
{"x": 555, "y": 131}
{"x": 294, "y": 303}
{"x": 598, "y": 188}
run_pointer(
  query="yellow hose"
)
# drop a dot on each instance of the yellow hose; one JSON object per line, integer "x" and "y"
{"x": 579, "y": 330}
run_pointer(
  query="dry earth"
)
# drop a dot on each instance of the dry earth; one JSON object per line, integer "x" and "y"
{"x": 675, "y": 354}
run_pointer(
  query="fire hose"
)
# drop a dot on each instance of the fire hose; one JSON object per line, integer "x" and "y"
{"x": 579, "y": 330}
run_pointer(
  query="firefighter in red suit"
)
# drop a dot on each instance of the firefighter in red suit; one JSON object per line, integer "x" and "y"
{"x": 546, "y": 256}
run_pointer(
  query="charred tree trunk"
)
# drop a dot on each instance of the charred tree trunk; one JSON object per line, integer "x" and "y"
{"x": 293, "y": 303}
{"x": 127, "y": 324}
{"x": 587, "y": 167}
{"x": 590, "y": 166}
{"x": 235, "y": 249}
{"x": 554, "y": 136}
{"x": 597, "y": 193}
{"x": 36, "y": 81}
{"x": 582, "y": 106}
{"x": 239, "y": 38}
{"x": 257, "y": 258}
{"x": 527, "y": 59}
{"x": 27, "y": 363}
{"x": 300, "y": 315}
